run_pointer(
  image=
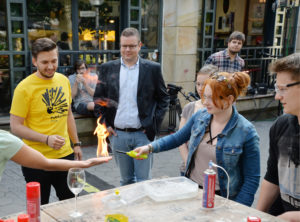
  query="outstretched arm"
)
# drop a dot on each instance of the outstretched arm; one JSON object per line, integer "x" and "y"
{"x": 29, "y": 157}
{"x": 169, "y": 142}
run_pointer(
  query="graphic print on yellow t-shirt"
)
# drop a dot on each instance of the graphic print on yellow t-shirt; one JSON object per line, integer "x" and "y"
{"x": 55, "y": 101}
{"x": 44, "y": 105}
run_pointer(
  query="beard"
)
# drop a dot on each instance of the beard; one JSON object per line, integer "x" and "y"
{"x": 47, "y": 76}
{"x": 233, "y": 52}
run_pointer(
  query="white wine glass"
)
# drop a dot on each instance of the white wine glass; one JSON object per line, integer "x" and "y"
{"x": 76, "y": 182}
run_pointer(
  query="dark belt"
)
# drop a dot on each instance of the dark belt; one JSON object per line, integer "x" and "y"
{"x": 130, "y": 130}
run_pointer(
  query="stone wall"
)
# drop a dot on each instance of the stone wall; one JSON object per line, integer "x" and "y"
{"x": 179, "y": 42}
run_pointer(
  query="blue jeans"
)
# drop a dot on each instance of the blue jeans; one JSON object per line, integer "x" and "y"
{"x": 131, "y": 170}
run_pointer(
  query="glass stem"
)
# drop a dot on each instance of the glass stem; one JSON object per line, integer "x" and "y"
{"x": 75, "y": 202}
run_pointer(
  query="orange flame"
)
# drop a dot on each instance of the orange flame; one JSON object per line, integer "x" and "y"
{"x": 102, "y": 134}
{"x": 101, "y": 102}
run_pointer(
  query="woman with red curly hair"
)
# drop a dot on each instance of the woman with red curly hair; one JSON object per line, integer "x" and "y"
{"x": 219, "y": 133}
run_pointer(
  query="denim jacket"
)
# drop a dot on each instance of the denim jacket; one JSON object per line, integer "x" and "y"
{"x": 237, "y": 151}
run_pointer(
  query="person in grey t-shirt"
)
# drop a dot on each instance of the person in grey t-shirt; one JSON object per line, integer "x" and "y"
{"x": 83, "y": 84}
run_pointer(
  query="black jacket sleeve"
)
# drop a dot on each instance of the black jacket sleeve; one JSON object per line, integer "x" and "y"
{"x": 100, "y": 97}
{"x": 162, "y": 99}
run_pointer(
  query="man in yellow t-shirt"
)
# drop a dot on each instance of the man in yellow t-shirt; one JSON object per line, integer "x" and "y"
{"x": 41, "y": 115}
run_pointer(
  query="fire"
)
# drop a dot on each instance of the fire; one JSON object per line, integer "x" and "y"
{"x": 102, "y": 134}
{"x": 101, "y": 102}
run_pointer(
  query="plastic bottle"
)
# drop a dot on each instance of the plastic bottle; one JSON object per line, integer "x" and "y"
{"x": 33, "y": 201}
{"x": 23, "y": 218}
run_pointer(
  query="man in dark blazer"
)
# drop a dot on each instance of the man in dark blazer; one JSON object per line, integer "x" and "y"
{"x": 131, "y": 98}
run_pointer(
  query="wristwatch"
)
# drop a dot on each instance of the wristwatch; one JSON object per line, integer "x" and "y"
{"x": 77, "y": 144}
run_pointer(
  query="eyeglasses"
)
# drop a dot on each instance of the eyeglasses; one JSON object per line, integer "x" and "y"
{"x": 281, "y": 89}
{"x": 81, "y": 68}
{"x": 129, "y": 46}
{"x": 220, "y": 78}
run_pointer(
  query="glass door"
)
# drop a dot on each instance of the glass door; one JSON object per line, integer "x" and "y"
{"x": 13, "y": 49}
{"x": 206, "y": 31}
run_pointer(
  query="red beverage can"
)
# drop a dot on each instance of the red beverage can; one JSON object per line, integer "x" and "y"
{"x": 33, "y": 201}
{"x": 208, "y": 200}
{"x": 253, "y": 219}
{"x": 23, "y": 218}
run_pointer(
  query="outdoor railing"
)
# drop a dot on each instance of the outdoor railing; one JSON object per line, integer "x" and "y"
{"x": 257, "y": 60}
{"x": 93, "y": 58}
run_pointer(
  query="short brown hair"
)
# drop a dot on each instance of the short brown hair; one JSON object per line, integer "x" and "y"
{"x": 42, "y": 45}
{"x": 131, "y": 32}
{"x": 237, "y": 35}
{"x": 290, "y": 64}
{"x": 78, "y": 63}
{"x": 234, "y": 84}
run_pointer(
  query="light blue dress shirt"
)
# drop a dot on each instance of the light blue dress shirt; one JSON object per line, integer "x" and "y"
{"x": 127, "y": 113}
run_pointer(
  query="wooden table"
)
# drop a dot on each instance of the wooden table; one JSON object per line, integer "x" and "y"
{"x": 147, "y": 210}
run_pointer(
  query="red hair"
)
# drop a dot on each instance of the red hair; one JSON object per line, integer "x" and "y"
{"x": 224, "y": 84}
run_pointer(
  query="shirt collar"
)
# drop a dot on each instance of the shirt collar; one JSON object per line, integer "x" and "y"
{"x": 136, "y": 64}
{"x": 227, "y": 54}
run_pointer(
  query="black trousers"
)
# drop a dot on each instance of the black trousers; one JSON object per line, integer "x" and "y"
{"x": 58, "y": 179}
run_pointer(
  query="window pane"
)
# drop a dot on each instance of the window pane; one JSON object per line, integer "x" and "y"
{"x": 210, "y": 4}
{"x": 4, "y": 62}
{"x": 18, "y": 44}
{"x": 4, "y": 85}
{"x": 18, "y": 77}
{"x": 17, "y": 27}
{"x": 150, "y": 24}
{"x": 50, "y": 19}
{"x": 135, "y": 26}
{"x": 209, "y": 17}
{"x": 19, "y": 60}
{"x": 134, "y": 15}
{"x": 16, "y": 9}
{"x": 208, "y": 30}
{"x": 208, "y": 43}
{"x": 206, "y": 54}
{"x": 98, "y": 27}
{"x": 3, "y": 26}
{"x": 134, "y": 2}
